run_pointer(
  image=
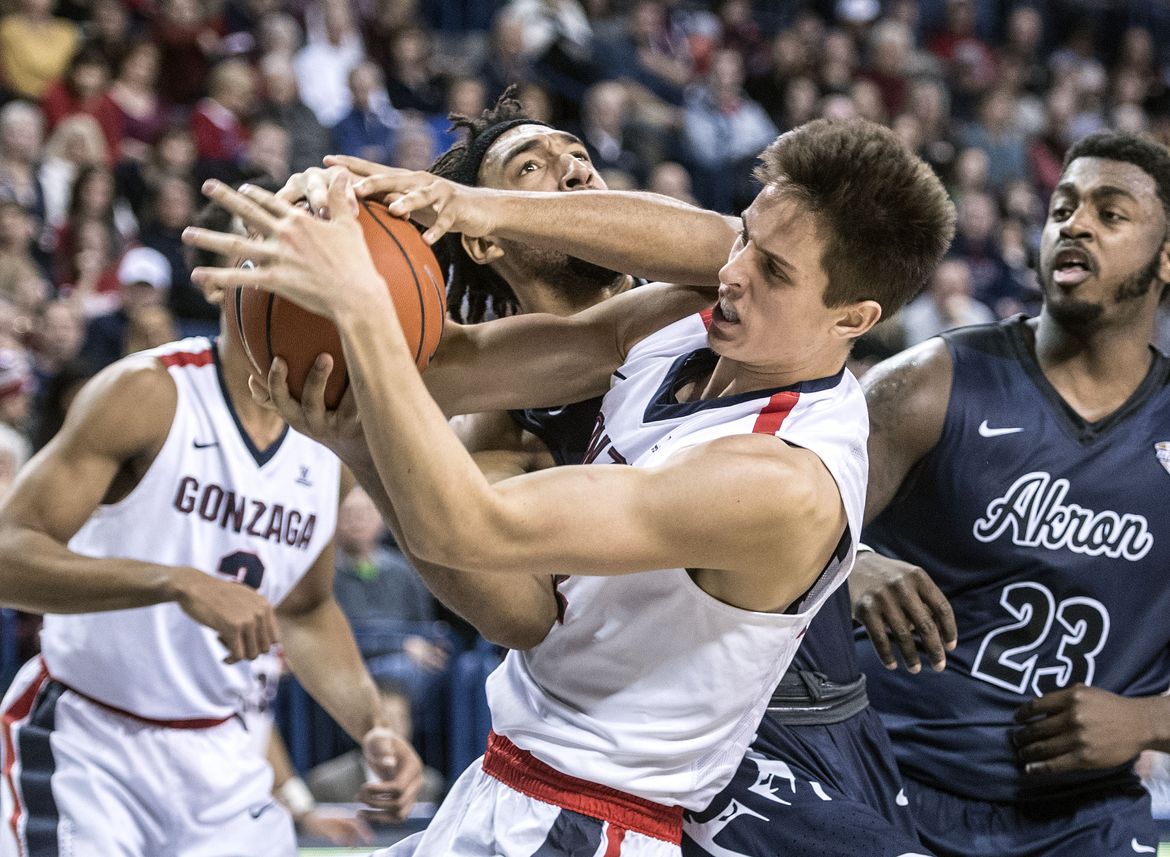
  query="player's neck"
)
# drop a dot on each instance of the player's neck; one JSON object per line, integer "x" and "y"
{"x": 1094, "y": 371}
{"x": 262, "y": 425}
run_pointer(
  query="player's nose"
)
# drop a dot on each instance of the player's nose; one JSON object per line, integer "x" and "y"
{"x": 577, "y": 174}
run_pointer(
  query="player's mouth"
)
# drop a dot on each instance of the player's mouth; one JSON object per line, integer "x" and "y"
{"x": 725, "y": 311}
{"x": 1071, "y": 266}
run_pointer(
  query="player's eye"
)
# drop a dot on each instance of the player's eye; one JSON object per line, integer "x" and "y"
{"x": 1111, "y": 216}
{"x": 1061, "y": 212}
{"x": 529, "y": 167}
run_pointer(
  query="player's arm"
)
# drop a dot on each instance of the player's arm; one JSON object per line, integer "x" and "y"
{"x": 321, "y": 652}
{"x": 733, "y": 505}
{"x": 629, "y": 231}
{"x": 907, "y": 397}
{"x": 113, "y": 431}
{"x": 515, "y": 613}
{"x": 543, "y": 360}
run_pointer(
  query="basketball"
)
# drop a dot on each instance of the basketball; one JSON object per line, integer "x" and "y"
{"x": 271, "y": 326}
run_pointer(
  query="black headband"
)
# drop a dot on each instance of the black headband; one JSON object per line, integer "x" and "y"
{"x": 468, "y": 172}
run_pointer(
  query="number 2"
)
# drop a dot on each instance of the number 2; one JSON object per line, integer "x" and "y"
{"x": 243, "y": 567}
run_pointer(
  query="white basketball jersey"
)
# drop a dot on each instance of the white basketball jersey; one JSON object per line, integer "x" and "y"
{"x": 646, "y": 683}
{"x": 213, "y": 501}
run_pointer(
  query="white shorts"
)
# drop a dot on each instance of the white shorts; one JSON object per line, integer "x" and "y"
{"x": 509, "y": 804}
{"x": 80, "y": 780}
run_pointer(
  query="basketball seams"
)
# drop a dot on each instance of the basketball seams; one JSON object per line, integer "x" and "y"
{"x": 422, "y": 308}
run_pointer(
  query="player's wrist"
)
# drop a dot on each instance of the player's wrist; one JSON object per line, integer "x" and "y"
{"x": 177, "y": 583}
{"x": 295, "y": 795}
{"x": 1156, "y": 717}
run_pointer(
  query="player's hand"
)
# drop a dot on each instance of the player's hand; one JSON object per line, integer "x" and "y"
{"x": 430, "y": 656}
{"x": 1084, "y": 728}
{"x": 336, "y": 827}
{"x": 439, "y": 204}
{"x": 339, "y": 429}
{"x": 893, "y": 598}
{"x": 243, "y": 618}
{"x": 323, "y": 266}
{"x": 398, "y": 770}
{"x": 312, "y": 187}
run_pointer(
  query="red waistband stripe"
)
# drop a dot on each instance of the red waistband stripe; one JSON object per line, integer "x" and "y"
{"x": 523, "y": 772}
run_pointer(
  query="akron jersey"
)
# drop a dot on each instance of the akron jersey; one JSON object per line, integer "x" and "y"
{"x": 1051, "y": 538}
{"x": 210, "y": 500}
{"x": 646, "y": 683}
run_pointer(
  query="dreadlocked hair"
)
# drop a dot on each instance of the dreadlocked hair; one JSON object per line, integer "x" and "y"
{"x": 473, "y": 290}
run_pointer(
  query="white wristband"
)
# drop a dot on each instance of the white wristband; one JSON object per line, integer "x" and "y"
{"x": 295, "y": 795}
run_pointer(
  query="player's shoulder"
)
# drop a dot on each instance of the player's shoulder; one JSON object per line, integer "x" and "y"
{"x": 130, "y": 403}
{"x": 640, "y": 312}
{"x": 763, "y": 464}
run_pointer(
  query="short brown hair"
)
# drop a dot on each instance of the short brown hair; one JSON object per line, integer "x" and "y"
{"x": 888, "y": 217}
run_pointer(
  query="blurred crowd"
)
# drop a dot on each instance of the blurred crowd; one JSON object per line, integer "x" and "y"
{"x": 112, "y": 113}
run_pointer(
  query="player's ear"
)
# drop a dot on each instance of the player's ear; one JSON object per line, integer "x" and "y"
{"x": 483, "y": 251}
{"x": 855, "y": 319}
{"x": 1164, "y": 262}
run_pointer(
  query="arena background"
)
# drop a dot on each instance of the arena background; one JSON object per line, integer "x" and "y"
{"x": 112, "y": 112}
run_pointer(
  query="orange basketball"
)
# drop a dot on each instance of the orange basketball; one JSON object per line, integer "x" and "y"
{"x": 271, "y": 326}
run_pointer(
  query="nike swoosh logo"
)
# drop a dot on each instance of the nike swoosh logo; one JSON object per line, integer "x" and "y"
{"x": 1141, "y": 849}
{"x": 259, "y": 811}
{"x": 199, "y": 445}
{"x": 987, "y": 431}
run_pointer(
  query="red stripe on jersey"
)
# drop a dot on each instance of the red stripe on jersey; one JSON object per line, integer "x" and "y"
{"x": 613, "y": 840}
{"x": 18, "y": 711}
{"x": 706, "y": 316}
{"x": 520, "y": 770}
{"x": 775, "y": 412}
{"x": 187, "y": 358}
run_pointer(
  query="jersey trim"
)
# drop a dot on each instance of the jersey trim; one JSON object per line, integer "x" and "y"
{"x": 187, "y": 358}
{"x": 264, "y": 456}
{"x": 520, "y": 770}
{"x": 772, "y": 417}
{"x": 663, "y": 404}
{"x": 17, "y": 712}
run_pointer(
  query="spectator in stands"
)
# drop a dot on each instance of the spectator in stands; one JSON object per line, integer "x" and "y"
{"x": 144, "y": 275}
{"x": 189, "y": 40}
{"x": 84, "y": 89}
{"x": 977, "y": 242}
{"x": 997, "y": 135}
{"x": 415, "y": 146}
{"x": 171, "y": 209}
{"x": 173, "y": 155}
{"x": 57, "y": 333}
{"x": 280, "y": 35}
{"x": 391, "y": 610}
{"x": 466, "y": 96}
{"x": 368, "y": 130}
{"x": 506, "y": 63}
{"x": 670, "y": 178}
{"x": 281, "y": 103}
{"x": 109, "y": 30}
{"x": 945, "y": 305}
{"x": 411, "y": 81}
{"x": 266, "y": 157}
{"x": 219, "y": 122}
{"x": 605, "y": 130}
{"x": 724, "y": 131}
{"x": 890, "y": 47}
{"x": 21, "y": 135}
{"x": 16, "y": 388}
{"x": 135, "y": 94}
{"x": 76, "y": 145}
{"x": 323, "y": 65}
{"x": 648, "y": 52}
{"x": 35, "y": 48}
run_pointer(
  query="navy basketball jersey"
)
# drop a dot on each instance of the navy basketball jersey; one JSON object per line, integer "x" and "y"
{"x": 1050, "y": 537}
{"x": 565, "y": 430}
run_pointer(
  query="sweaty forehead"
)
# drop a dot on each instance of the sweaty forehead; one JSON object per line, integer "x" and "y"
{"x": 538, "y": 138}
{"x": 1088, "y": 174}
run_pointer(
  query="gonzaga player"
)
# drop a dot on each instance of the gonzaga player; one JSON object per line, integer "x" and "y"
{"x": 714, "y": 549}
{"x": 1023, "y": 466}
{"x": 171, "y": 531}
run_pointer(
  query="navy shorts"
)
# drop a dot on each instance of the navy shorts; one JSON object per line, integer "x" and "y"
{"x": 1110, "y": 824}
{"x": 810, "y": 791}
